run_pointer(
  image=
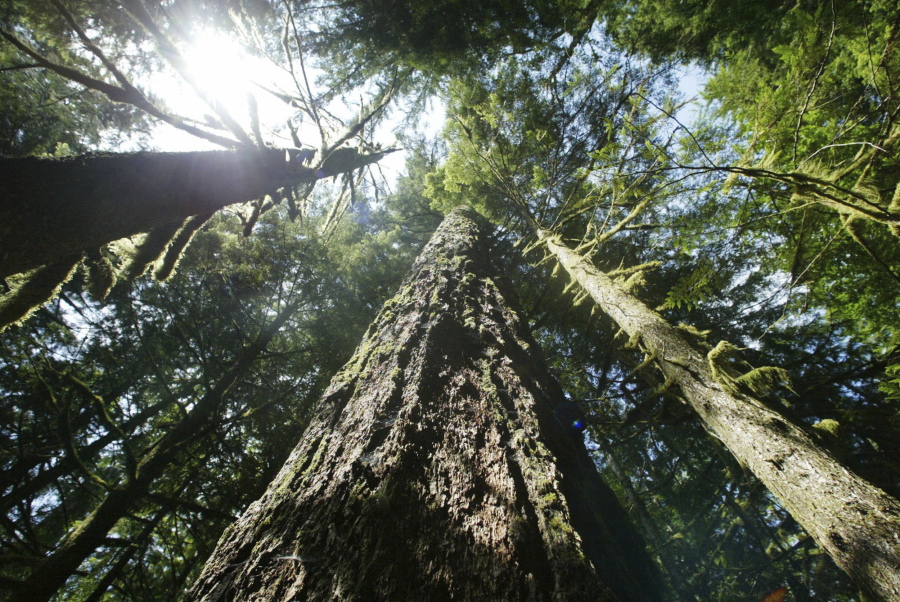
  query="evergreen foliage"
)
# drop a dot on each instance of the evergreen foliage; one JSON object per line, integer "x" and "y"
{"x": 769, "y": 219}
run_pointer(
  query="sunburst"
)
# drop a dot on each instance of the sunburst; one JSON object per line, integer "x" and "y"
{"x": 217, "y": 76}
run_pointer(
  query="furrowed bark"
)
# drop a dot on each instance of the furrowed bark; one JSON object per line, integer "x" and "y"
{"x": 436, "y": 467}
{"x": 53, "y": 208}
{"x": 856, "y": 523}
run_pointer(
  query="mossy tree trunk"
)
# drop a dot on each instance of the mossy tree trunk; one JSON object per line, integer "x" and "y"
{"x": 856, "y": 523}
{"x": 438, "y": 466}
{"x": 51, "y": 208}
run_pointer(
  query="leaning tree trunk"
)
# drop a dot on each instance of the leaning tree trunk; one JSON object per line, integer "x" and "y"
{"x": 854, "y": 521}
{"x": 58, "y": 208}
{"x": 440, "y": 465}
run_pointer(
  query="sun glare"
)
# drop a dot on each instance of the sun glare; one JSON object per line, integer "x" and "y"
{"x": 222, "y": 75}
{"x": 221, "y": 67}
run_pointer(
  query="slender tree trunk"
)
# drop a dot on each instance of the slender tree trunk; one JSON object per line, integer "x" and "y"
{"x": 54, "y": 208}
{"x": 118, "y": 567}
{"x": 439, "y": 466}
{"x": 676, "y": 580}
{"x": 53, "y": 572}
{"x": 852, "y": 520}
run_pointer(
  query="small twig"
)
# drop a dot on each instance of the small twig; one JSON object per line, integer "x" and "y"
{"x": 18, "y": 67}
{"x": 815, "y": 83}
{"x": 875, "y": 146}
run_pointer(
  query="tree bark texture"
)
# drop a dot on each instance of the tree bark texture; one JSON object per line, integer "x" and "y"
{"x": 53, "y": 208}
{"x": 437, "y": 467}
{"x": 856, "y": 523}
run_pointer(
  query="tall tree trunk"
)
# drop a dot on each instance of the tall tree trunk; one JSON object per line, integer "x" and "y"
{"x": 54, "y": 208}
{"x": 679, "y": 585}
{"x": 440, "y": 465}
{"x": 852, "y": 520}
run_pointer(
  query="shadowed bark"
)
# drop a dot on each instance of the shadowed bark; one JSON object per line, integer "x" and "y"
{"x": 438, "y": 466}
{"x": 856, "y": 523}
{"x": 54, "y": 208}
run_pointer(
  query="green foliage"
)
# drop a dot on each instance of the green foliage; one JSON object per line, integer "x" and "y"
{"x": 99, "y": 386}
{"x": 470, "y": 35}
{"x": 695, "y": 29}
{"x": 43, "y": 112}
{"x": 562, "y": 131}
{"x": 694, "y": 288}
{"x": 891, "y": 385}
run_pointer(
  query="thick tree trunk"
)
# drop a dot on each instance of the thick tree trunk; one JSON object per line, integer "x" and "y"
{"x": 53, "y": 208}
{"x": 440, "y": 465}
{"x": 852, "y": 520}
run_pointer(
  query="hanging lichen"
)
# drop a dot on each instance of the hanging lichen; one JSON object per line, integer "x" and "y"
{"x": 894, "y": 210}
{"x": 696, "y": 337}
{"x": 250, "y": 221}
{"x": 148, "y": 250}
{"x": 829, "y": 427}
{"x": 99, "y": 274}
{"x": 643, "y": 267}
{"x": 764, "y": 380}
{"x": 758, "y": 381}
{"x": 166, "y": 266}
{"x": 29, "y": 291}
{"x": 293, "y": 212}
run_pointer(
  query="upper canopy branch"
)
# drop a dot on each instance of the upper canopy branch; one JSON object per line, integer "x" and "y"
{"x": 127, "y": 93}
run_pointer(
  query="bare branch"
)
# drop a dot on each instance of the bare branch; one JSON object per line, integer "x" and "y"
{"x": 308, "y": 100}
{"x": 173, "y": 56}
{"x": 89, "y": 44}
{"x": 131, "y": 96}
{"x": 19, "y": 67}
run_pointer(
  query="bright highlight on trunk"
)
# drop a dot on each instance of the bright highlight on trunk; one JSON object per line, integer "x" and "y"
{"x": 854, "y": 521}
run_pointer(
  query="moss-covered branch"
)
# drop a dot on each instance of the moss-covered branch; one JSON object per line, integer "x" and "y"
{"x": 54, "y": 208}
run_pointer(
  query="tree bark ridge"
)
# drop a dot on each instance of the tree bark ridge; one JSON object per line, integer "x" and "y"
{"x": 435, "y": 468}
{"x": 851, "y": 519}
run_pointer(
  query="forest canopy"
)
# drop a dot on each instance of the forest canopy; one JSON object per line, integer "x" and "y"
{"x": 170, "y": 319}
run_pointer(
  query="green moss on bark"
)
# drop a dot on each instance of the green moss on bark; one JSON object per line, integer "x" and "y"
{"x": 434, "y": 468}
